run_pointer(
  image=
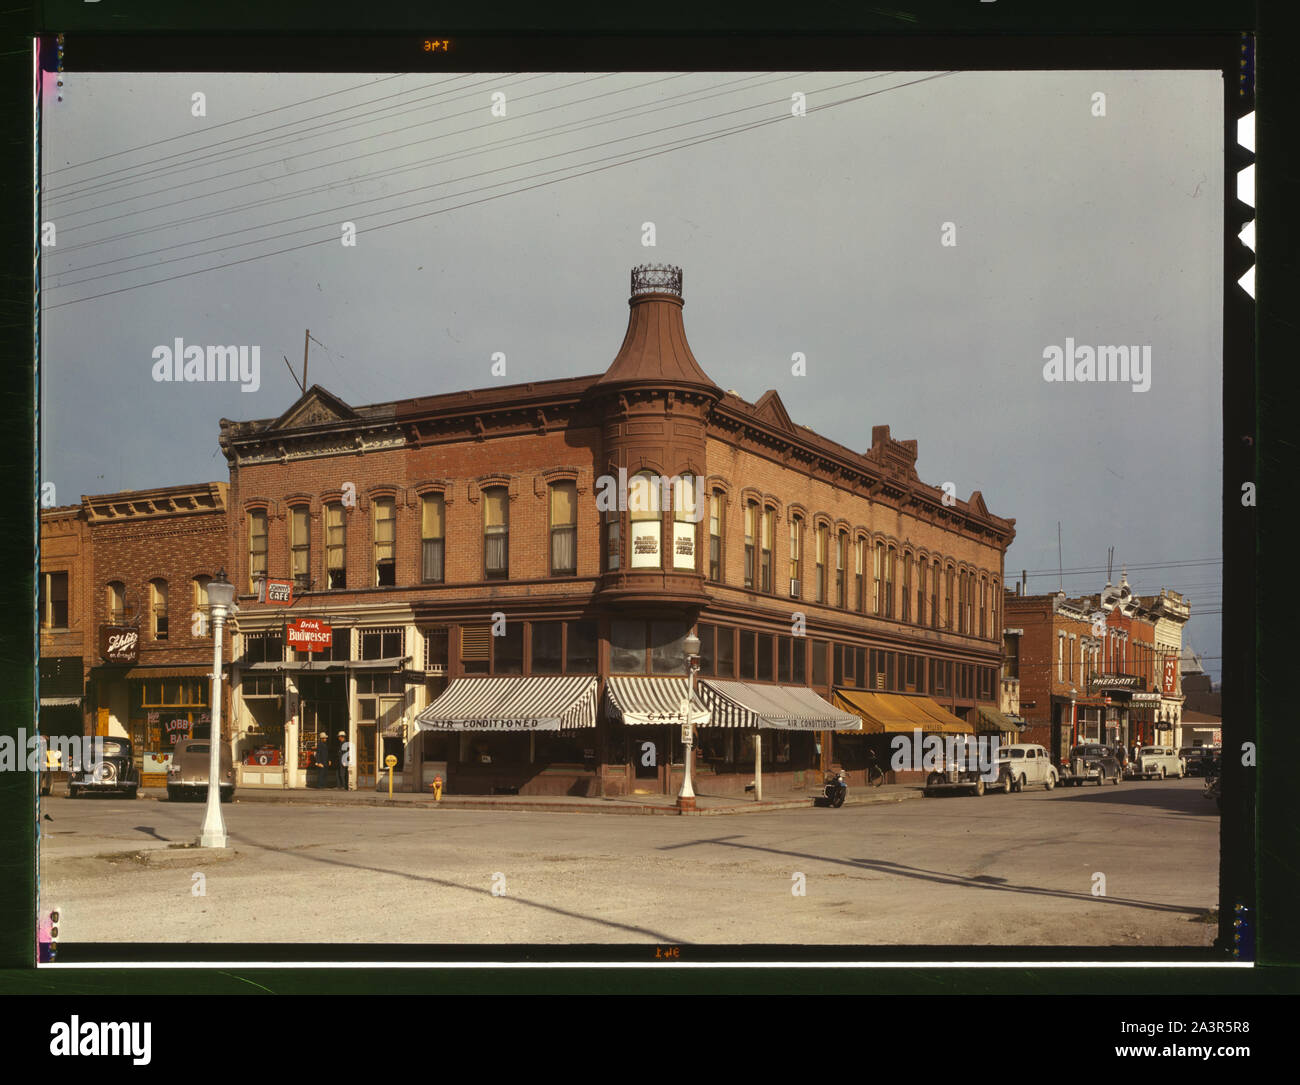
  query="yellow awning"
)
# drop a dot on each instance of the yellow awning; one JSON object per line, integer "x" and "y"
{"x": 894, "y": 713}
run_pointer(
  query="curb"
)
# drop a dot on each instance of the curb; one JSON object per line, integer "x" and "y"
{"x": 609, "y": 806}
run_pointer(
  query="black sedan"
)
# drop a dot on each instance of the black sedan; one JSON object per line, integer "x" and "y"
{"x": 111, "y": 770}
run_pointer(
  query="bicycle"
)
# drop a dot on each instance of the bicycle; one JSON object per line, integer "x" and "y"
{"x": 875, "y": 774}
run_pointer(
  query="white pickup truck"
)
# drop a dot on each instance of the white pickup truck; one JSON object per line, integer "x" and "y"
{"x": 1157, "y": 762}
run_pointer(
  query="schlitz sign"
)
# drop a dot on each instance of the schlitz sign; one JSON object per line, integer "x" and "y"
{"x": 119, "y": 643}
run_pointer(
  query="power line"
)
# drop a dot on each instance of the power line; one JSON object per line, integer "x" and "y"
{"x": 423, "y": 163}
{"x": 332, "y": 213}
{"x": 675, "y": 145}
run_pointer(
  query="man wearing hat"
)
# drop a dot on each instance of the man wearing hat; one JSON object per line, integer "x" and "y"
{"x": 341, "y": 762}
{"x": 322, "y": 759}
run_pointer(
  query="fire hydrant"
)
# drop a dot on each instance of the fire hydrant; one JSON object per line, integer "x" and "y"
{"x": 437, "y": 789}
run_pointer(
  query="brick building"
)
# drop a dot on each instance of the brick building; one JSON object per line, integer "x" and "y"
{"x": 1095, "y": 668}
{"x": 508, "y": 575}
{"x": 124, "y": 576}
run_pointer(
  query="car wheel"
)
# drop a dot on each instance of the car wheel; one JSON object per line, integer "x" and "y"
{"x": 979, "y": 788}
{"x": 1101, "y": 777}
{"x": 1115, "y": 781}
{"x": 1020, "y": 782}
{"x": 1050, "y": 782}
{"x": 1006, "y": 784}
{"x": 133, "y": 792}
{"x": 1162, "y": 772}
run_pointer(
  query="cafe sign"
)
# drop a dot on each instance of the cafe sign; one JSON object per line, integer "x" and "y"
{"x": 119, "y": 643}
{"x": 309, "y": 635}
{"x": 279, "y": 592}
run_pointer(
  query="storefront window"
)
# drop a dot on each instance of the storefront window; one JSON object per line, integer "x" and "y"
{"x": 746, "y": 655}
{"x": 819, "y": 650}
{"x": 764, "y": 673}
{"x": 799, "y": 660}
{"x": 627, "y": 647}
{"x": 668, "y": 647}
{"x": 508, "y": 650}
{"x": 581, "y": 647}
{"x": 726, "y": 651}
{"x": 547, "y": 648}
{"x": 783, "y": 660}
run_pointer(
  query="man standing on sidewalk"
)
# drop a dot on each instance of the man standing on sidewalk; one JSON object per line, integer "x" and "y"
{"x": 341, "y": 761}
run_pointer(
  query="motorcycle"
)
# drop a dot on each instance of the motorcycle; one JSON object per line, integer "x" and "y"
{"x": 1212, "y": 782}
{"x": 837, "y": 789}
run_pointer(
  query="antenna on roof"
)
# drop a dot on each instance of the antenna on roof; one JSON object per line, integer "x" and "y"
{"x": 1060, "y": 562}
{"x": 302, "y": 384}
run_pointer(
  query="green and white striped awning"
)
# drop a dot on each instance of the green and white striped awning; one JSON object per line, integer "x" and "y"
{"x": 513, "y": 703}
{"x": 787, "y": 708}
{"x": 643, "y": 702}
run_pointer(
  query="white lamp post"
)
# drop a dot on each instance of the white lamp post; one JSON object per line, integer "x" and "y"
{"x": 686, "y": 797}
{"x": 221, "y": 594}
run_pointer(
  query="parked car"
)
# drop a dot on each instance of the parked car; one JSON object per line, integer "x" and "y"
{"x": 1024, "y": 764}
{"x": 1091, "y": 762}
{"x": 1157, "y": 762}
{"x": 187, "y": 775}
{"x": 1194, "y": 757}
{"x": 113, "y": 772}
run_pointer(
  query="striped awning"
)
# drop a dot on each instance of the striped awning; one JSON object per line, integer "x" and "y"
{"x": 642, "y": 702}
{"x": 59, "y": 702}
{"x": 989, "y": 720}
{"x": 788, "y": 708}
{"x": 513, "y": 703}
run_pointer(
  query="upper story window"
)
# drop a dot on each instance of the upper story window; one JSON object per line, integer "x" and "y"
{"x": 905, "y": 614}
{"x": 300, "y": 547}
{"x": 878, "y": 604}
{"x": 948, "y": 601}
{"x": 751, "y": 514}
{"x": 920, "y": 592}
{"x": 984, "y": 603}
{"x": 433, "y": 532}
{"x": 961, "y": 601}
{"x": 385, "y": 547}
{"x": 564, "y": 528}
{"x": 717, "y": 513}
{"x": 115, "y": 601}
{"x": 891, "y": 561}
{"x": 54, "y": 600}
{"x": 158, "y": 608}
{"x": 765, "y": 550}
{"x": 496, "y": 532}
{"x": 613, "y": 540}
{"x": 822, "y": 540}
{"x": 336, "y": 546}
{"x": 257, "y": 538}
{"x": 841, "y": 577}
{"x": 859, "y": 575}
{"x": 685, "y": 517}
{"x": 645, "y": 513}
{"x": 201, "y": 626}
{"x": 936, "y": 574}
{"x": 796, "y": 554}
{"x": 970, "y": 603}
{"x": 1011, "y": 645}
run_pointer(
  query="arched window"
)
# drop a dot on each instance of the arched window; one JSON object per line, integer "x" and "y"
{"x": 796, "y": 557}
{"x": 564, "y": 528}
{"x": 158, "y": 608}
{"x": 256, "y": 547}
{"x": 906, "y": 612}
{"x": 891, "y": 561}
{"x": 433, "y": 538}
{"x": 496, "y": 533}
{"x": 984, "y": 604}
{"x": 961, "y": 601}
{"x": 115, "y": 601}
{"x": 859, "y": 564}
{"x": 300, "y": 547}
{"x": 201, "y": 628}
{"x": 841, "y": 573}
{"x": 336, "y": 546}
{"x": 765, "y": 550}
{"x": 822, "y": 533}
{"x": 685, "y": 517}
{"x": 878, "y": 599}
{"x": 920, "y": 591}
{"x": 385, "y": 541}
{"x": 644, "y": 508}
{"x": 949, "y": 602}
{"x": 751, "y": 515}
{"x": 717, "y": 524}
{"x": 936, "y": 575}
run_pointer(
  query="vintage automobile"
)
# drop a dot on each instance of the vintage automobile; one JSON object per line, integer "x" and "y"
{"x": 1025, "y": 764}
{"x": 1157, "y": 762}
{"x": 113, "y": 771}
{"x": 1195, "y": 758}
{"x": 1091, "y": 762}
{"x": 187, "y": 775}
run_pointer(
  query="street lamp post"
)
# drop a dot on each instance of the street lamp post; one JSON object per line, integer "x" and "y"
{"x": 221, "y": 594}
{"x": 1074, "y": 719}
{"x": 686, "y": 797}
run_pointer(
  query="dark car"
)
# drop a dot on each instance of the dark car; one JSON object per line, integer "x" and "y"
{"x": 111, "y": 771}
{"x": 1100, "y": 763}
{"x": 1196, "y": 758}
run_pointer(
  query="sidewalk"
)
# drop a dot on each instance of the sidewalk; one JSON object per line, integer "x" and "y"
{"x": 626, "y": 804}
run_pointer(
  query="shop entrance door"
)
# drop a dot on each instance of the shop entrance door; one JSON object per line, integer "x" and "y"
{"x": 646, "y": 751}
{"x": 365, "y": 754}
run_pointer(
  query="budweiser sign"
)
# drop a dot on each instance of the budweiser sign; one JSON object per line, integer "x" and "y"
{"x": 309, "y": 635}
{"x": 119, "y": 643}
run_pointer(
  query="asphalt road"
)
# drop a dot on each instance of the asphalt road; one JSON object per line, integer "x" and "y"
{"x": 1133, "y": 865}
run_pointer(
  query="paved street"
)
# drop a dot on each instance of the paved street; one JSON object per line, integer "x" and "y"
{"x": 1018, "y": 869}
